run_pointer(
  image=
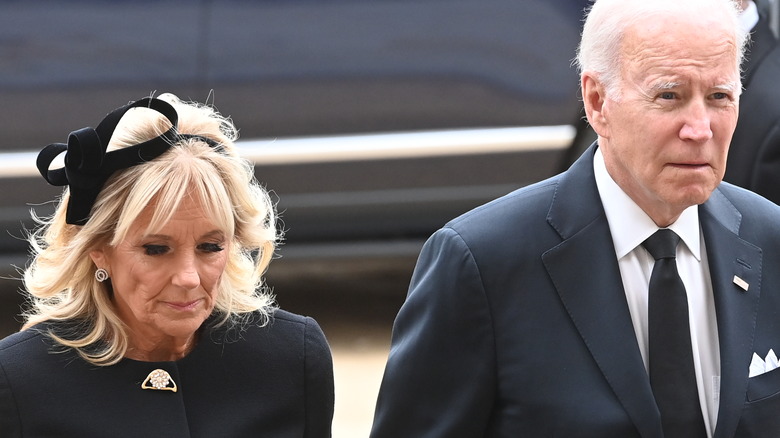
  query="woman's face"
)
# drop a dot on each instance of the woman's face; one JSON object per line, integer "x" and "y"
{"x": 165, "y": 284}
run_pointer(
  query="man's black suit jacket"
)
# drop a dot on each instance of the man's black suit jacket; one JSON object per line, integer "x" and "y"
{"x": 516, "y": 323}
{"x": 754, "y": 157}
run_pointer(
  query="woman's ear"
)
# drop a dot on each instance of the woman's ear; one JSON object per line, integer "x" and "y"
{"x": 99, "y": 258}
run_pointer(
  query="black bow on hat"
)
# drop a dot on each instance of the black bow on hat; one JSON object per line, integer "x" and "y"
{"x": 87, "y": 164}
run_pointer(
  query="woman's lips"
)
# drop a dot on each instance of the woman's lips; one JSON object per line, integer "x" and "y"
{"x": 183, "y": 305}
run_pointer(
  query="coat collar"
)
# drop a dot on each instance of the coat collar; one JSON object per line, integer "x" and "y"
{"x": 731, "y": 256}
{"x": 761, "y": 43}
{"x": 585, "y": 271}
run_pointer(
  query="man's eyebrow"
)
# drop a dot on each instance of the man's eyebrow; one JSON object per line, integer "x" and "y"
{"x": 665, "y": 85}
{"x": 729, "y": 86}
{"x": 670, "y": 85}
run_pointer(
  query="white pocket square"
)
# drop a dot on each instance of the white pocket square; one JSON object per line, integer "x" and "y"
{"x": 760, "y": 366}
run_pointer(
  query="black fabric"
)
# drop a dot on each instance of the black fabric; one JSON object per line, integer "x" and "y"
{"x": 214, "y": 144}
{"x": 754, "y": 155}
{"x": 672, "y": 374}
{"x": 516, "y": 322}
{"x": 274, "y": 381}
{"x": 87, "y": 164}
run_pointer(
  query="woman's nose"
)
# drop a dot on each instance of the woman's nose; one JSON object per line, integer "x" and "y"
{"x": 186, "y": 273}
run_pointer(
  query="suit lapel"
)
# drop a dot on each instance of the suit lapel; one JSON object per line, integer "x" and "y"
{"x": 736, "y": 309}
{"x": 585, "y": 272}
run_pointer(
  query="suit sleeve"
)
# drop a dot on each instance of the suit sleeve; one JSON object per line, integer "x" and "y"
{"x": 440, "y": 377}
{"x": 319, "y": 382}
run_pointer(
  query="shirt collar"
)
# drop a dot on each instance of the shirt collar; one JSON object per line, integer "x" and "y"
{"x": 748, "y": 18}
{"x": 630, "y": 225}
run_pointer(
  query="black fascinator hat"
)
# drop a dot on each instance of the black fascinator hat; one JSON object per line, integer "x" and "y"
{"x": 87, "y": 164}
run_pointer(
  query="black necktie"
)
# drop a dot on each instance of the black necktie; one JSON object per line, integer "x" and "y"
{"x": 672, "y": 375}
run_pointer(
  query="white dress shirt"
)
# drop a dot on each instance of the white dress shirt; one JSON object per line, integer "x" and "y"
{"x": 748, "y": 18}
{"x": 630, "y": 226}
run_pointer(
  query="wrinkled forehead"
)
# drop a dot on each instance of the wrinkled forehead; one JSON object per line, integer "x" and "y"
{"x": 664, "y": 41}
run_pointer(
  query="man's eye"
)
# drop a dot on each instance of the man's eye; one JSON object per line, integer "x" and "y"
{"x": 667, "y": 95}
{"x": 720, "y": 96}
{"x": 153, "y": 250}
{"x": 210, "y": 247}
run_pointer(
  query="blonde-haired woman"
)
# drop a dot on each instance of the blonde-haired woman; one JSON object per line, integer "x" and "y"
{"x": 149, "y": 314}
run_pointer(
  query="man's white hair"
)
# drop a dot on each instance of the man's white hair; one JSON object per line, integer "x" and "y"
{"x": 608, "y": 20}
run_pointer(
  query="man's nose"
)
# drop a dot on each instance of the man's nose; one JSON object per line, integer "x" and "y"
{"x": 697, "y": 125}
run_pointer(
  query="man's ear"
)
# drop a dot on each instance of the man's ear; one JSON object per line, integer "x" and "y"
{"x": 593, "y": 97}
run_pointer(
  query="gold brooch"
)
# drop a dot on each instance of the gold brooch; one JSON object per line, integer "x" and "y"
{"x": 159, "y": 380}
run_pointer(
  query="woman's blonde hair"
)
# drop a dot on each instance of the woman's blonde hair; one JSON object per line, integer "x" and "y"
{"x": 60, "y": 278}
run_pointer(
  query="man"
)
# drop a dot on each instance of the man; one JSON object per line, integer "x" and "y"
{"x": 754, "y": 161}
{"x": 537, "y": 315}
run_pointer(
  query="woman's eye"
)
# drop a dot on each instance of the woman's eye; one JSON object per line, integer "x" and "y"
{"x": 153, "y": 250}
{"x": 210, "y": 247}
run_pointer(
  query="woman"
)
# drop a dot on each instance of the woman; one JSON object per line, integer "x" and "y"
{"x": 148, "y": 319}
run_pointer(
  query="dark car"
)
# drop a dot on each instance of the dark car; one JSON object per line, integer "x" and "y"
{"x": 373, "y": 121}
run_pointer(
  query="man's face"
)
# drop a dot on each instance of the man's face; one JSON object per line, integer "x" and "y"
{"x": 666, "y": 136}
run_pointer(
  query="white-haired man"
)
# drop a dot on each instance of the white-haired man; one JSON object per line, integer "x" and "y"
{"x": 551, "y": 312}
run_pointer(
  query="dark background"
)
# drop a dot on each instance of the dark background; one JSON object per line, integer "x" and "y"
{"x": 292, "y": 68}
